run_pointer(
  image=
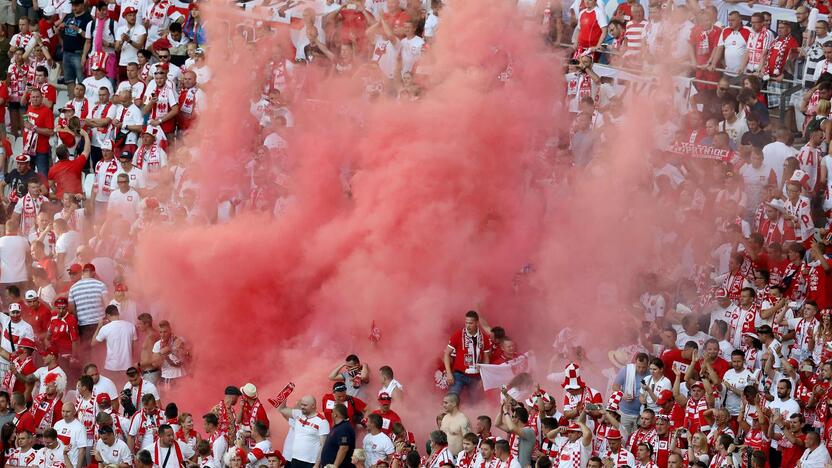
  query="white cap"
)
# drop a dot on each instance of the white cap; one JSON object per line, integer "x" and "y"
{"x": 14, "y": 306}
{"x": 31, "y": 294}
{"x": 49, "y": 11}
{"x": 249, "y": 390}
{"x": 107, "y": 144}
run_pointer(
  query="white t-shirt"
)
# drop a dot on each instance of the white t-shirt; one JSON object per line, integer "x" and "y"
{"x": 739, "y": 380}
{"x": 105, "y": 385}
{"x": 13, "y": 251}
{"x": 306, "y": 440}
{"x": 786, "y": 409}
{"x": 816, "y": 458}
{"x": 135, "y": 175}
{"x": 734, "y": 130}
{"x": 148, "y": 388}
{"x": 67, "y": 243}
{"x": 775, "y": 154}
{"x": 74, "y": 435}
{"x": 411, "y": 50}
{"x": 172, "y": 462}
{"x": 169, "y": 371}
{"x": 93, "y": 85}
{"x": 119, "y": 335}
{"x": 735, "y": 44}
{"x": 377, "y": 447}
{"x": 124, "y": 204}
{"x": 128, "y": 52}
{"x": 51, "y": 458}
{"x": 114, "y": 454}
{"x": 19, "y": 330}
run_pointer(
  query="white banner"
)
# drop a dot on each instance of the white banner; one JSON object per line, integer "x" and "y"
{"x": 497, "y": 375}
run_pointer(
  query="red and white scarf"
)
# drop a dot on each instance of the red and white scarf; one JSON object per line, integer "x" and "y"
{"x": 102, "y": 131}
{"x": 188, "y": 101}
{"x": 504, "y": 464}
{"x": 31, "y": 208}
{"x": 226, "y": 421}
{"x": 781, "y": 48}
{"x": 694, "y": 419}
{"x": 86, "y": 410}
{"x": 467, "y": 459}
{"x": 570, "y": 454}
{"x": 149, "y": 154}
{"x": 109, "y": 168}
{"x": 10, "y": 377}
{"x": 43, "y": 410}
{"x": 159, "y": 461}
{"x": 437, "y": 458}
{"x": 143, "y": 416}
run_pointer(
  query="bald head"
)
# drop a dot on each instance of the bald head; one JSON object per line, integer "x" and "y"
{"x": 307, "y": 405}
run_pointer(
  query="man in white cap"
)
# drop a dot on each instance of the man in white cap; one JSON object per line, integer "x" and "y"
{"x": 14, "y": 328}
{"x": 251, "y": 410}
{"x": 37, "y": 313}
{"x": 105, "y": 171}
{"x": 309, "y": 430}
{"x": 150, "y": 158}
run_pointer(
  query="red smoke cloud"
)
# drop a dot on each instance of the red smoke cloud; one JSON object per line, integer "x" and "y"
{"x": 444, "y": 212}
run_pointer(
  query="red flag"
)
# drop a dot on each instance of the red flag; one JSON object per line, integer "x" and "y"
{"x": 282, "y": 396}
{"x": 375, "y": 333}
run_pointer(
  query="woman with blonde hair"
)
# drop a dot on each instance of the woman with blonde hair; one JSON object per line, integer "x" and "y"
{"x": 820, "y": 121}
{"x": 358, "y": 458}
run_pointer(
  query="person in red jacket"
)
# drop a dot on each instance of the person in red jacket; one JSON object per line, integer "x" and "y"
{"x": 388, "y": 416}
{"x": 339, "y": 395}
{"x": 37, "y": 314}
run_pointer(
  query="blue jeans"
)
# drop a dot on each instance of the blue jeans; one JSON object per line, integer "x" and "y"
{"x": 462, "y": 380}
{"x": 72, "y": 67}
{"x": 42, "y": 162}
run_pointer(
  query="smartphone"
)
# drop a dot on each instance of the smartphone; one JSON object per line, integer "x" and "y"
{"x": 593, "y": 407}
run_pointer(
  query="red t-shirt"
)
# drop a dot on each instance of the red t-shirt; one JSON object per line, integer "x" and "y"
{"x": 50, "y": 267}
{"x": 677, "y": 416}
{"x": 67, "y": 175}
{"x": 38, "y": 317}
{"x": 28, "y": 369}
{"x": 4, "y": 95}
{"x": 49, "y": 93}
{"x": 591, "y": 23}
{"x": 63, "y": 332}
{"x": 24, "y": 422}
{"x": 791, "y": 455}
{"x": 387, "y": 420}
{"x": 817, "y": 288}
{"x": 720, "y": 365}
{"x": 353, "y": 404}
{"x": 673, "y": 357}
{"x": 460, "y": 350}
{"x": 40, "y": 116}
{"x": 704, "y": 42}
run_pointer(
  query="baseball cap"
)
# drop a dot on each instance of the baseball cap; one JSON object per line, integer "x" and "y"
{"x": 125, "y": 155}
{"x": 75, "y": 268}
{"x": 107, "y": 144}
{"x": 14, "y": 307}
{"x": 61, "y": 301}
{"x": 31, "y": 294}
{"x": 22, "y": 158}
{"x": 339, "y": 387}
{"x": 664, "y": 397}
{"x": 89, "y": 267}
{"x": 102, "y": 398}
{"x": 385, "y": 397}
{"x": 49, "y": 350}
{"x": 129, "y": 10}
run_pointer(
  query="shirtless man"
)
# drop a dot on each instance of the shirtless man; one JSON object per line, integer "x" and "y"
{"x": 148, "y": 336}
{"x": 455, "y": 424}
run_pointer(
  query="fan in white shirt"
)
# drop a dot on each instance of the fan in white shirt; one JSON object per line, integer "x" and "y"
{"x": 110, "y": 450}
{"x": 167, "y": 452}
{"x": 816, "y": 455}
{"x": 53, "y": 453}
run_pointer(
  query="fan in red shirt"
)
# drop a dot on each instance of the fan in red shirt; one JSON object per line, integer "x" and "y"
{"x": 466, "y": 349}
{"x": 711, "y": 356}
{"x": 38, "y": 127}
{"x": 388, "y": 416}
{"x": 37, "y": 314}
{"x": 63, "y": 329}
{"x": 781, "y": 50}
{"x": 65, "y": 175}
{"x": 339, "y": 395}
{"x": 704, "y": 38}
{"x": 22, "y": 363}
{"x": 670, "y": 409}
{"x": 817, "y": 287}
{"x": 592, "y": 28}
{"x": 678, "y": 359}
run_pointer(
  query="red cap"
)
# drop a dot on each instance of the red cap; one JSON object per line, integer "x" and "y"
{"x": 613, "y": 433}
{"x": 48, "y": 351}
{"x": 89, "y": 267}
{"x": 121, "y": 287}
{"x": 75, "y": 268}
{"x": 22, "y": 158}
{"x": 25, "y": 342}
{"x": 276, "y": 453}
{"x": 162, "y": 66}
{"x": 793, "y": 362}
{"x": 384, "y": 396}
{"x": 699, "y": 384}
{"x": 664, "y": 397}
{"x": 573, "y": 427}
{"x": 129, "y": 10}
{"x": 102, "y": 398}
{"x": 61, "y": 301}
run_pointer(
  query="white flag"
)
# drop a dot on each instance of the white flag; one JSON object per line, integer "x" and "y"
{"x": 497, "y": 375}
